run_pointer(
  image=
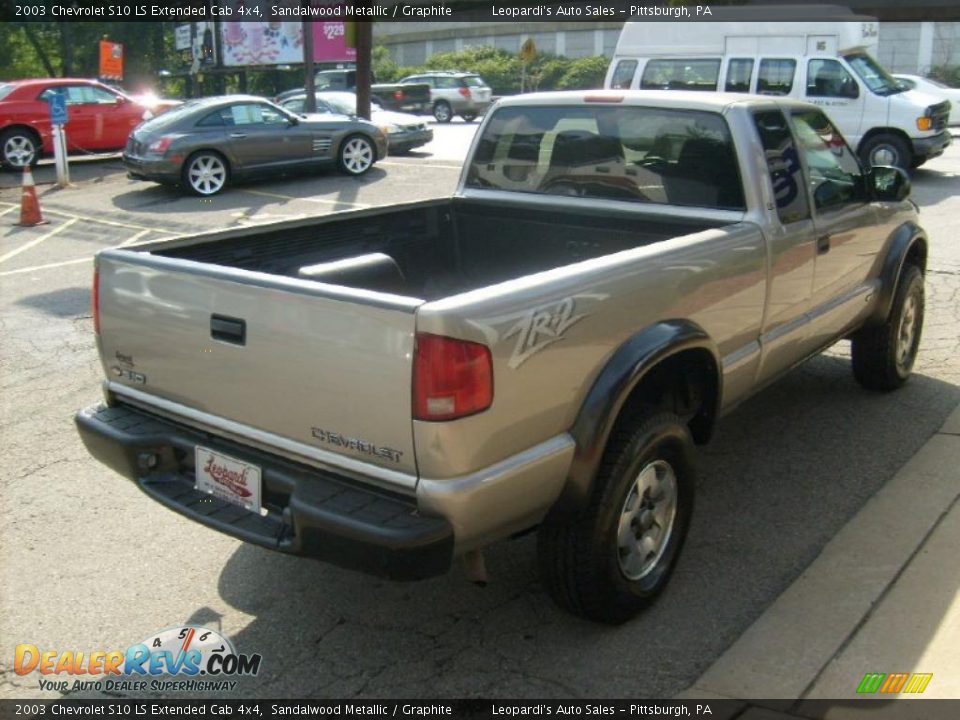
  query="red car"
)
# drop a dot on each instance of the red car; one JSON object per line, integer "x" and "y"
{"x": 100, "y": 118}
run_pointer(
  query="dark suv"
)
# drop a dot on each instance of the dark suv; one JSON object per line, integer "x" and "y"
{"x": 455, "y": 93}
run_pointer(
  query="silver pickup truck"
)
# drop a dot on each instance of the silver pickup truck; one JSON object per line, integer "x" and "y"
{"x": 392, "y": 388}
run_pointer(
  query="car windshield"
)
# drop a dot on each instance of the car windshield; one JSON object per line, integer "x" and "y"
{"x": 878, "y": 80}
{"x": 6, "y": 89}
{"x": 474, "y": 81}
{"x": 339, "y": 103}
{"x": 635, "y": 154}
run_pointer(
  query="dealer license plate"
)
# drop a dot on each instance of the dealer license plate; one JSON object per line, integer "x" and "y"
{"x": 227, "y": 478}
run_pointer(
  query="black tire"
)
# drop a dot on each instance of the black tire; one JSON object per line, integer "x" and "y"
{"x": 583, "y": 562}
{"x": 217, "y": 165}
{"x": 886, "y": 149}
{"x": 22, "y": 141}
{"x": 356, "y": 155}
{"x": 883, "y": 355}
{"x": 442, "y": 112}
{"x": 469, "y": 117}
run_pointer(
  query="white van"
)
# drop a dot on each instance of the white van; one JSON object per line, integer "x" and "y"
{"x": 825, "y": 62}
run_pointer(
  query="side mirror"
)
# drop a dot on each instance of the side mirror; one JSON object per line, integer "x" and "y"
{"x": 889, "y": 183}
{"x": 293, "y": 120}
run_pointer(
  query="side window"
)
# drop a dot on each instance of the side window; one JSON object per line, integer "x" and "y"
{"x": 835, "y": 176}
{"x": 681, "y": 74}
{"x": 47, "y": 94}
{"x": 783, "y": 164}
{"x": 101, "y": 96}
{"x": 253, "y": 114}
{"x": 828, "y": 78}
{"x": 738, "y": 75}
{"x": 445, "y": 83}
{"x": 214, "y": 119}
{"x": 776, "y": 76}
{"x": 623, "y": 74}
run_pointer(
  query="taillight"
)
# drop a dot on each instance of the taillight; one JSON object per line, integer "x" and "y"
{"x": 160, "y": 146}
{"x": 451, "y": 378}
{"x": 465, "y": 91}
{"x": 96, "y": 300}
{"x": 398, "y": 95}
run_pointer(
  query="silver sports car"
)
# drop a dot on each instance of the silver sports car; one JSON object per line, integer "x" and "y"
{"x": 203, "y": 144}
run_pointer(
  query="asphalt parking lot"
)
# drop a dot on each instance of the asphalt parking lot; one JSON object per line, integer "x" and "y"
{"x": 88, "y": 563}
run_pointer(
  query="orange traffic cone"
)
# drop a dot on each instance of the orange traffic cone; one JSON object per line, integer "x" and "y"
{"x": 29, "y": 204}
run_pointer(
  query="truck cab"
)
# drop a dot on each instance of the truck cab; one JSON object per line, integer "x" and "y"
{"x": 827, "y": 63}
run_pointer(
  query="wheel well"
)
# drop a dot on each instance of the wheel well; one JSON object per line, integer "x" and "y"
{"x": 874, "y": 132}
{"x": 687, "y": 384}
{"x": 372, "y": 141}
{"x": 29, "y": 130}
{"x": 212, "y": 151}
{"x": 917, "y": 255}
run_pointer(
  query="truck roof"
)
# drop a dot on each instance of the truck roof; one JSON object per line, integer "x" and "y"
{"x": 679, "y": 99}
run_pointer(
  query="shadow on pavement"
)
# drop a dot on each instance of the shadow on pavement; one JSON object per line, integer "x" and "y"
{"x": 785, "y": 472}
{"x": 68, "y": 302}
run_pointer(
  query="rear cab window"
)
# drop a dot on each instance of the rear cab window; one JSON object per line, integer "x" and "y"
{"x": 634, "y": 154}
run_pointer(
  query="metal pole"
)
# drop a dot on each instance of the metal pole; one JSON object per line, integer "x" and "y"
{"x": 309, "y": 80}
{"x": 60, "y": 156}
{"x": 364, "y": 70}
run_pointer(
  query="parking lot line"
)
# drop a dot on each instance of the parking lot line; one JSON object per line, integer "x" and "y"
{"x": 133, "y": 239}
{"x": 49, "y": 266}
{"x": 305, "y": 199}
{"x": 421, "y": 165}
{"x": 37, "y": 241}
{"x": 9, "y": 209}
{"x": 115, "y": 223}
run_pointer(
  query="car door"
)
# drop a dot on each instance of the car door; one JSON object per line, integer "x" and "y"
{"x": 106, "y": 118}
{"x": 80, "y": 123}
{"x": 260, "y": 136}
{"x": 848, "y": 234}
{"x": 792, "y": 248}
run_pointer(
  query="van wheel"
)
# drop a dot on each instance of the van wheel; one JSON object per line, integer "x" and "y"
{"x": 614, "y": 557}
{"x": 883, "y": 355}
{"x": 886, "y": 149}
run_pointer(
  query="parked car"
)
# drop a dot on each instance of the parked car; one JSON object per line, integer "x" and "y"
{"x": 204, "y": 144}
{"x": 455, "y": 93}
{"x": 404, "y": 98}
{"x": 936, "y": 88}
{"x": 391, "y": 388}
{"x": 404, "y": 131}
{"x": 100, "y": 117}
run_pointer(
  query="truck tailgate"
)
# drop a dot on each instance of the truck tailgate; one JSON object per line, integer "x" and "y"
{"x": 262, "y": 356}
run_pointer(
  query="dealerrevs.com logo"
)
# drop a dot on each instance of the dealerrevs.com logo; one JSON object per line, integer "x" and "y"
{"x": 186, "y": 658}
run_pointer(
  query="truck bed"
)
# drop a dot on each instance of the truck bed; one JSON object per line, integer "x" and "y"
{"x": 432, "y": 249}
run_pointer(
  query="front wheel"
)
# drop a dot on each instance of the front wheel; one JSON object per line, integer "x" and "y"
{"x": 357, "y": 155}
{"x": 886, "y": 150}
{"x": 205, "y": 173}
{"x": 20, "y": 149}
{"x": 612, "y": 559}
{"x": 469, "y": 117}
{"x": 883, "y": 356}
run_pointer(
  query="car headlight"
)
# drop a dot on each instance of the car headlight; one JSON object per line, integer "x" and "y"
{"x": 391, "y": 129}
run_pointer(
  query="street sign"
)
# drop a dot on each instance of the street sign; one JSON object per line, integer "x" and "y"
{"x": 182, "y": 37}
{"x": 58, "y": 109}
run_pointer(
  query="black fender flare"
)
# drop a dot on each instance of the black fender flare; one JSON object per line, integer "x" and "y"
{"x": 906, "y": 239}
{"x": 625, "y": 369}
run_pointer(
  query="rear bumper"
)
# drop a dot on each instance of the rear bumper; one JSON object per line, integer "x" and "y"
{"x": 310, "y": 512}
{"x": 931, "y": 147}
{"x": 160, "y": 170}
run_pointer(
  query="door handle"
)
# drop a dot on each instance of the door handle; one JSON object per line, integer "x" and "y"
{"x": 238, "y": 135}
{"x": 823, "y": 244}
{"x": 228, "y": 329}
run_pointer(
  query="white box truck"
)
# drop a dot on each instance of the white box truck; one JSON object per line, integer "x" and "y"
{"x": 826, "y": 62}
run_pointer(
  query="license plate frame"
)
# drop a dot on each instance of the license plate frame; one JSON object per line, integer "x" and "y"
{"x": 228, "y": 478}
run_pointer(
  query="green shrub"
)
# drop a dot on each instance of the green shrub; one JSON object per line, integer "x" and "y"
{"x": 584, "y": 73}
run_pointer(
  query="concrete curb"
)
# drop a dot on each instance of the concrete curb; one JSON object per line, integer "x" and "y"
{"x": 786, "y": 651}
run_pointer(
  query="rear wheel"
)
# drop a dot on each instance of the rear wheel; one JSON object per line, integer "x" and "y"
{"x": 442, "y": 111}
{"x": 205, "y": 173}
{"x": 883, "y": 356}
{"x": 613, "y": 558}
{"x": 20, "y": 148}
{"x": 357, "y": 155}
{"x": 469, "y": 117}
